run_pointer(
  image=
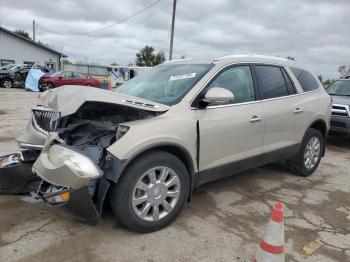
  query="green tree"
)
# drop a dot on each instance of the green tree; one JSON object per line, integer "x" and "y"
{"x": 22, "y": 33}
{"x": 66, "y": 61}
{"x": 114, "y": 64}
{"x": 147, "y": 57}
{"x": 159, "y": 58}
{"x": 325, "y": 82}
{"x": 320, "y": 77}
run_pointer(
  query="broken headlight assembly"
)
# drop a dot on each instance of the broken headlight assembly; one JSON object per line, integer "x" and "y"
{"x": 80, "y": 165}
{"x": 121, "y": 131}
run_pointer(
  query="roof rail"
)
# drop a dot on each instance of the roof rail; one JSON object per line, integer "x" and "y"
{"x": 253, "y": 56}
{"x": 177, "y": 60}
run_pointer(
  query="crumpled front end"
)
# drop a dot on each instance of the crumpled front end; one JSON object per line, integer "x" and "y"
{"x": 64, "y": 155}
{"x": 72, "y": 181}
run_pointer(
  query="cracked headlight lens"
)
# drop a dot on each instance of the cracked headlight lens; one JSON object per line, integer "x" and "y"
{"x": 80, "y": 165}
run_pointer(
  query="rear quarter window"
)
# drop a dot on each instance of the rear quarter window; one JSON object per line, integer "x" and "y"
{"x": 306, "y": 80}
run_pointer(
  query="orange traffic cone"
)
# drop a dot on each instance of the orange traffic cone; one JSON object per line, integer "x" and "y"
{"x": 271, "y": 248}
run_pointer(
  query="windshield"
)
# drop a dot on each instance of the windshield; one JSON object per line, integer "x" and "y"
{"x": 339, "y": 88}
{"x": 166, "y": 84}
{"x": 7, "y": 67}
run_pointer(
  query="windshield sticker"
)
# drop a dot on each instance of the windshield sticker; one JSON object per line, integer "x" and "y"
{"x": 184, "y": 76}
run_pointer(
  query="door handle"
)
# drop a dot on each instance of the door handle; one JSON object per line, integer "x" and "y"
{"x": 298, "y": 110}
{"x": 255, "y": 119}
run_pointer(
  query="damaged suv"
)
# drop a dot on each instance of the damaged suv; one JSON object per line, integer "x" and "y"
{"x": 147, "y": 146}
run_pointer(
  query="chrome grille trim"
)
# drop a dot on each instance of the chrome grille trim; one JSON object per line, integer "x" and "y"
{"x": 340, "y": 110}
{"x": 45, "y": 119}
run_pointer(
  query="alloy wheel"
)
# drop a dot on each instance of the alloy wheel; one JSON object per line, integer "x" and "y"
{"x": 312, "y": 152}
{"x": 156, "y": 193}
{"x": 7, "y": 84}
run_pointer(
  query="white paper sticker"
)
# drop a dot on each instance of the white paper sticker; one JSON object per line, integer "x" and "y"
{"x": 184, "y": 76}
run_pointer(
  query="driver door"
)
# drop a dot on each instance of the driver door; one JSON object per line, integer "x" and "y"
{"x": 231, "y": 134}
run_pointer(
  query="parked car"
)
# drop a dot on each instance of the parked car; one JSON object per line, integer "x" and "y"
{"x": 61, "y": 78}
{"x": 7, "y": 75}
{"x": 16, "y": 75}
{"x": 147, "y": 146}
{"x": 340, "y": 93}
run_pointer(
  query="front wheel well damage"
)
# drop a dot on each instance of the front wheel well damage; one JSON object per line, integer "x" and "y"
{"x": 175, "y": 150}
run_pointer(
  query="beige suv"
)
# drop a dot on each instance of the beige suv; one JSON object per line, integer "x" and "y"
{"x": 147, "y": 146}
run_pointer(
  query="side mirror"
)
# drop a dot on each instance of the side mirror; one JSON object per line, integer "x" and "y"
{"x": 218, "y": 95}
{"x": 60, "y": 77}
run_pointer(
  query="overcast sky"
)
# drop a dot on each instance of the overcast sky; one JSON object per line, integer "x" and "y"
{"x": 315, "y": 32}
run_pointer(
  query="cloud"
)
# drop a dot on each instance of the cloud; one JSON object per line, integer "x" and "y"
{"x": 315, "y": 32}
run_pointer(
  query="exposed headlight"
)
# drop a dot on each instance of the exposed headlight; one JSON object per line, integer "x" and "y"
{"x": 81, "y": 165}
{"x": 121, "y": 131}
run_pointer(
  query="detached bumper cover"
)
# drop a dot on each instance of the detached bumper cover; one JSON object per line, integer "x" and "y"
{"x": 16, "y": 175}
{"x": 79, "y": 206}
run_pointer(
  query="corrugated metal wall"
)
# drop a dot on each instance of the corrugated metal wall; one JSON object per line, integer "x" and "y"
{"x": 13, "y": 48}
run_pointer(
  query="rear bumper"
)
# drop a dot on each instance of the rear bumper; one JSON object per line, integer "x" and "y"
{"x": 340, "y": 125}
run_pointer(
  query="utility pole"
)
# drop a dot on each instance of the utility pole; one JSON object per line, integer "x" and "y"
{"x": 172, "y": 32}
{"x": 34, "y": 30}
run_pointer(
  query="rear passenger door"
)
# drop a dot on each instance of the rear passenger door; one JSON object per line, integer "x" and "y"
{"x": 284, "y": 115}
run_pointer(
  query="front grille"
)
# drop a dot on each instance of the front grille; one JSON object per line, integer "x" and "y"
{"x": 340, "y": 110}
{"x": 45, "y": 119}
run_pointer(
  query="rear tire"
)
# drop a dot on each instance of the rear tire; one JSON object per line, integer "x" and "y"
{"x": 309, "y": 155}
{"x": 146, "y": 182}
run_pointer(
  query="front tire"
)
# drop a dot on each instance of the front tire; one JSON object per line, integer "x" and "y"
{"x": 7, "y": 83}
{"x": 151, "y": 193}
{"x": 310, "y": 154}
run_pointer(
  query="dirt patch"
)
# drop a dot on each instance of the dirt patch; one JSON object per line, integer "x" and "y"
{"x": 3, "y": 112}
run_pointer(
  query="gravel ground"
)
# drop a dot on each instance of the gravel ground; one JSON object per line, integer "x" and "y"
{"x": 224, "y": 221}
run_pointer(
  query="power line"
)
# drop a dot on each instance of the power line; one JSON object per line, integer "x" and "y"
{"x": 125, "y": 19}
{"x": 145, "y": 18}
{"x": 106, "y": 27}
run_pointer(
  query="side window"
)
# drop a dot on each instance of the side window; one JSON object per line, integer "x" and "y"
{"x": 67, "y": 75}
{"x": 271, "y": 81}
{"x": 306, "y": 80}
{"x": 239, "y": 81}
{"x": 77, "y": 75}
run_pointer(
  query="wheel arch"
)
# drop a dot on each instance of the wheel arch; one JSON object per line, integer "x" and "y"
{"x": 175, "y": 149}
{"x": 321, "y": 126}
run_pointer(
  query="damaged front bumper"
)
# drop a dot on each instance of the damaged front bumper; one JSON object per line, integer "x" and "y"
{"x": 77, "y": 203}
{"x": 71, "y": 180}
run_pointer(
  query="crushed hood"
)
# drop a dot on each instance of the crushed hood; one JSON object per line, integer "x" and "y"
{"x": 68, "y": 99}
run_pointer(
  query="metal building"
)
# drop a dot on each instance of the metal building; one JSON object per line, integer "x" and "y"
{"x": 15, "y": 49}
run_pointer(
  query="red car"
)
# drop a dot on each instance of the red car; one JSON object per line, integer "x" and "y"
{"x": 61, "y": 78}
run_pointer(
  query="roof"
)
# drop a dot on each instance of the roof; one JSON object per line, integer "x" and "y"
{"x": 32, "y": 42}
{"x": 239, "y": 58}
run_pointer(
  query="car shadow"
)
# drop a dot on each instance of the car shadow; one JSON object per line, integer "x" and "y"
{"x": 340, "y": 141}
